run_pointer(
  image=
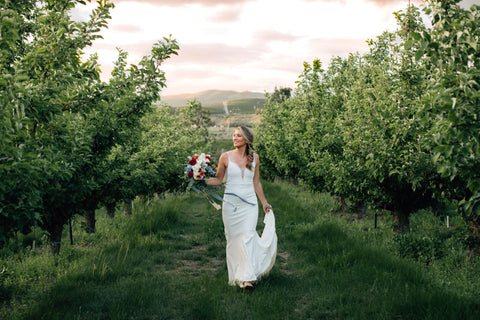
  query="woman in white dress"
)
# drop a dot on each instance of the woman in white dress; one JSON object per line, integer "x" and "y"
{"x": 249, "y": 256}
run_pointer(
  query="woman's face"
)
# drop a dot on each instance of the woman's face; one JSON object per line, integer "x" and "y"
{"x": 238, "y": 139}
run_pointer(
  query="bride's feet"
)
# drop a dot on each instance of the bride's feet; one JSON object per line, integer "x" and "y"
{"x": 248, "y": 286}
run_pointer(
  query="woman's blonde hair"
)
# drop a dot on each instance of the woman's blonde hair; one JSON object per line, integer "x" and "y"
{"x": 247, "y": 133}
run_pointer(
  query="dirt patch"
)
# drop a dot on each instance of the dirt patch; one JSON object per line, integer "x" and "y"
{"x": 197, "y": 262}
{"x": 282, "y": 260}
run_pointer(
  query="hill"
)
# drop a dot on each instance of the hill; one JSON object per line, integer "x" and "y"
{"x": 240, "y": 106}
{"x": 211, "y": 97}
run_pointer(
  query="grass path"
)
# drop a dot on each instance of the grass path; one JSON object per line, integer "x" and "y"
{"x": 167, "y": 261}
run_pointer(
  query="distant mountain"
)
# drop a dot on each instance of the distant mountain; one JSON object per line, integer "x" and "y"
{"x": 211, "y": 97}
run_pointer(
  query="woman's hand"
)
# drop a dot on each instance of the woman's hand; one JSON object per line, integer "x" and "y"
{"x": 266, "y": 207}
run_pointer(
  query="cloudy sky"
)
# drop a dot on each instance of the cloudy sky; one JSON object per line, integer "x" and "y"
{"x": 242, "y": 45}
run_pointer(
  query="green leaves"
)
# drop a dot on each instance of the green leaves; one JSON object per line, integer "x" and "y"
{"x": 61, "y": 121}
{"x": 454, "y": 97}
{"x": 397, "y": 127}
{"x": 356, "y": 128}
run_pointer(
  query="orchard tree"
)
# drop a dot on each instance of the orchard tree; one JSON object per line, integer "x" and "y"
{"x": 341, "y": 175}
{"x": 193, "y": 115}
{"x": 387, "y": 145}
{"x": 62, "y": 120}
{"x": 279, "y": 95}
{"x": 152, "y": 164}
{"x": 453, "y": 101}
{"x": 289, "y": 130}
{"x": 271, "y": 132}
{"x": 27, "y": 117}
{"x": 21, "y": 171}
{"x": 356, "y": 129}
{"x": 276, "y": 140}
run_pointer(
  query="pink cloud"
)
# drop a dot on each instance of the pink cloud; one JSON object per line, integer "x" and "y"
{"x": 176, "y": 3}
{"x": 336, "y": 1}
{"x": 227, "y": 13}
{"x": 197, "y": 53}
{"x": 286, "y": 63}
{"x": 138, "y": 48}
{"x": 379, "y": 3}
{"x": 130, "y": 28}
{"x": 329, "y": 48}
{"x": 271, "y": 58}
{"x": 393, "y": 2}
{"x": 272, "y": 35}
{"x": 208, "y": 62}
{"x": 215, "y": 53}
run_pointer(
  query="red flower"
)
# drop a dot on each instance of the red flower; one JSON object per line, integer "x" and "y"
{"x": 193, "y": 161}
{"x": 190, "y": 174}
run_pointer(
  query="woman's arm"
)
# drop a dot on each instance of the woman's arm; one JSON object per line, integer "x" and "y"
{"x": 258, "y": 186}
{"x": 222, "y": 166}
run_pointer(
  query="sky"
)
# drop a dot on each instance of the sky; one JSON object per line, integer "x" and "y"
{"x": 241, "y": 45}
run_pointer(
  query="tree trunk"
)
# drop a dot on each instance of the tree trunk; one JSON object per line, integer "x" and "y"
{"x": 473, "y": 240}
{"x": 55, "y": 238}
{"x": 360, "y": 210}
{"x": 89, "y": 216}
{"x": 343, "y": 204}
{"x": 110, "y": 209}
{"x": 401, "y": 222}
{"x": 127, "y": 207}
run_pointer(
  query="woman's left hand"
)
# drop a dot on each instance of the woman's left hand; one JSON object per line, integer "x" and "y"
{"x": 267, "y": 207}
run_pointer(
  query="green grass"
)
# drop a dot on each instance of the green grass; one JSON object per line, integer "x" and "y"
{"x": 167, "y": 261}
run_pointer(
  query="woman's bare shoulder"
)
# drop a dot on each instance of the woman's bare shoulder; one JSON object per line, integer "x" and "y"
{"x": 223, "y": 158}
{"x": 224, "y": 155}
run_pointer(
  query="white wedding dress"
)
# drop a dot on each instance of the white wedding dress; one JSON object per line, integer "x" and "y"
{"x": 249, "y": 256}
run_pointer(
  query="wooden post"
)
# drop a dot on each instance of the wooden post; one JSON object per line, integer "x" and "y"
{"x": 71, "y": 232}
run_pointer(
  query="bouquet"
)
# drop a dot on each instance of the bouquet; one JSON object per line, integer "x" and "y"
{"x": 199, "y": 167}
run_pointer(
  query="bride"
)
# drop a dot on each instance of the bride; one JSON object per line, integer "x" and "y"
{"x": 249, "y": 256}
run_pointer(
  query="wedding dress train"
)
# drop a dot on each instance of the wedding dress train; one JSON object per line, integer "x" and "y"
{"x": 249, "y": 256}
